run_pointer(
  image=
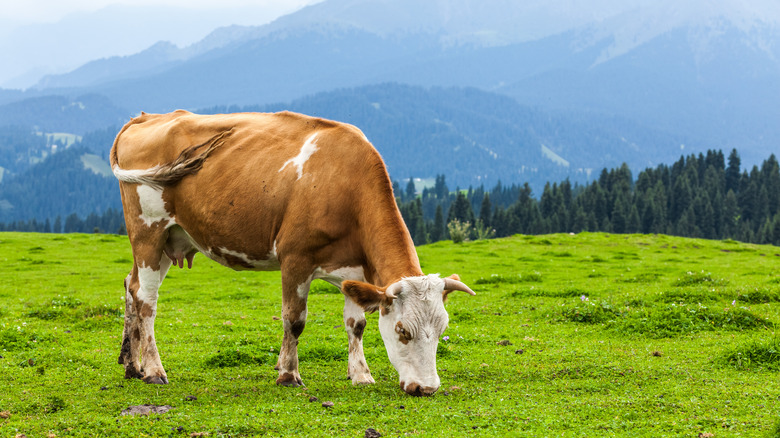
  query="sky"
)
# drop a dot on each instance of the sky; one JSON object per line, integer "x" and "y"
{"x": 40, "y": 37}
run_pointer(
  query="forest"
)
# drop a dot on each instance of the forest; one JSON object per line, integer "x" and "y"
{"x": 704, "y": 195}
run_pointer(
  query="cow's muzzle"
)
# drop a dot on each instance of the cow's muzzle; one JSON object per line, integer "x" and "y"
{"x": 418, "y": 391}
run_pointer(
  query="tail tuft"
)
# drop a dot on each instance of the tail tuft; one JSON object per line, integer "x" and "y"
{"x": 188, "y": 162}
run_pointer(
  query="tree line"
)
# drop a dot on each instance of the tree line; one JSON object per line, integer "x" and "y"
{"x": 704, "y": 195}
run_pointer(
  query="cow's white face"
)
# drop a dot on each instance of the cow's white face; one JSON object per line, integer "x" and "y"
{"x": 411, "y": 327}
{"x": 411, "y": 320}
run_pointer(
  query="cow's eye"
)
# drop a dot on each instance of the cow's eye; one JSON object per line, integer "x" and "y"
{"x": 399, "y": 328}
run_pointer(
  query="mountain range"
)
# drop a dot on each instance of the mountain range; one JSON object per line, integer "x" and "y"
{"x": 557, "y": 86}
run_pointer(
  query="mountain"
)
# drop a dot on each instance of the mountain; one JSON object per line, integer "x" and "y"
{"x": 473, "y": 137}
{"x": 59, "y": 114}
{"x": 700, "y": 69}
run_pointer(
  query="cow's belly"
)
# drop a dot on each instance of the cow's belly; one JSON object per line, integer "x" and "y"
{"x": 181, "y": 245}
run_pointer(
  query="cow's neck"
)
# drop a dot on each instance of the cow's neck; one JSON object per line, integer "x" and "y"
{"x": 389, "y": 249}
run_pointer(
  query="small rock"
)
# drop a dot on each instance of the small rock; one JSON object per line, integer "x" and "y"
{"x": 656, "y": 354}
{"x": 313, "y": 399}
{"x": 103, "y": 388}
{"x": 372, "y": 433}
{"x": 446, "y": 393}
{"x": 401, "y": 407}
{"x": 275, "y": 318}
{"x": 146, "y": 410}
{"x": 328, "y": 404}
{"x": 504, "y": 342}
{"x": 520, "y": 351}
{"x": 5, "y": 414}
{"x": 190, "y": 398}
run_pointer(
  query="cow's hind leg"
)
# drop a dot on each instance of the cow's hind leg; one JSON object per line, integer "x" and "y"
{"x": 355, "y": 323}
{"x": 295, "y": 291}
{"x": 150, "y": 269}
{"x": 131, "y": 335}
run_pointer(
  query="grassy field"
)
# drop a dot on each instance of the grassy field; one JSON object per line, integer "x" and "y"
{"x": 569, "y": 335}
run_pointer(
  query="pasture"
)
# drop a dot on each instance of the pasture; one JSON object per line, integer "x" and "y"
{"x": 569, "y": 335}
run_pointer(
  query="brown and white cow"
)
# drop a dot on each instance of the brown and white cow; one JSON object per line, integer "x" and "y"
{"x": 284, "y": 191}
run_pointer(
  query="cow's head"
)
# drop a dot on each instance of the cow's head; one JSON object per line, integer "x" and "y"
{"x": 411, "y": 320}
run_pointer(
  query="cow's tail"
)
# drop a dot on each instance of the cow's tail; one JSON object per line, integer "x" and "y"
{"x": 188, "y": 162}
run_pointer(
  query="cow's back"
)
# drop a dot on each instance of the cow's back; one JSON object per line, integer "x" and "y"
{"x": 274, "y": 178}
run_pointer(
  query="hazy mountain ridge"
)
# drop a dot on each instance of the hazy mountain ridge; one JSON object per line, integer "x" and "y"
{"x": 703, "y": 74}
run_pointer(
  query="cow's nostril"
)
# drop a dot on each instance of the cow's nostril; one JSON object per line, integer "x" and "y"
{"x": 413, "y": 389}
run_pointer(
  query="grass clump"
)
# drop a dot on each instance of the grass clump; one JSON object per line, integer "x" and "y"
{"x": 686, "y": 296}
{"x": 533, "y": 277}
{"x": 757, "y": 296}
{"x": 16, "y": 339}
{"x": 677, "y": 319}
{"x": 589, "y": 312}
{"x": 699, "y": 278}
{"x": 754, "y": 355}
{"x": 547, "y": 293}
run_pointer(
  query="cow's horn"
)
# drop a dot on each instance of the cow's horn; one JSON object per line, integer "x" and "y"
{"x": 394, "y": 290}
{"x": 450, "y": 284}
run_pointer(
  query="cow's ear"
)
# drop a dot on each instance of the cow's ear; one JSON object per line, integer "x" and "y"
{"x": 453, "y": 283}
{"x": 365, "y": 295}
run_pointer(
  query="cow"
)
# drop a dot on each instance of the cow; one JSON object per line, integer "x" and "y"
{"x": 282, "y": 191}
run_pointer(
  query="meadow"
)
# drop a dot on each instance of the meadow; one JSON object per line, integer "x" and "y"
{"x": 569, "y": 335}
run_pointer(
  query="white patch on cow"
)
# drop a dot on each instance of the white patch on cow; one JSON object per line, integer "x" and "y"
{"x": 150, "y": 281}
{"x": 271, "y": 263}
{"x": 153, "y": 206}
{"x": 308, "y": 148}
{"x": 337, "y": 276}
{"x": 420, "y": 309}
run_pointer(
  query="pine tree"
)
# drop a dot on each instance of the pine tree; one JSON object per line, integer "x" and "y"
{"x": 461, "y": 210}
{"x": 411, "y": 191}
{"x": 437, "y": 232}
{"x": 733, "y": 172}
{"x": 485, "y": 211}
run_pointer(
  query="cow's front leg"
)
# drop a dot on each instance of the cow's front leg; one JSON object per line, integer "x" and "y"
{"x": 294, "y": 295}
{"x": 355, "y": 323}
{"x": 131, "y": 334}
{"x": 145, "y": 302}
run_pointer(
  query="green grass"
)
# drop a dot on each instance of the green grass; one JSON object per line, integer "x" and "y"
{"x": 584, "y": 335}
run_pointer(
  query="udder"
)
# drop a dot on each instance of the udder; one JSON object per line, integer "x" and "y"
{"x": 179, "y": 247}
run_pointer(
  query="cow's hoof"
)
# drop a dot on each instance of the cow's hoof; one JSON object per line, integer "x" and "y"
{"x": 288, "y": 379}
{"x": 363, "y": 379}
{"x": 156, "y": 380}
